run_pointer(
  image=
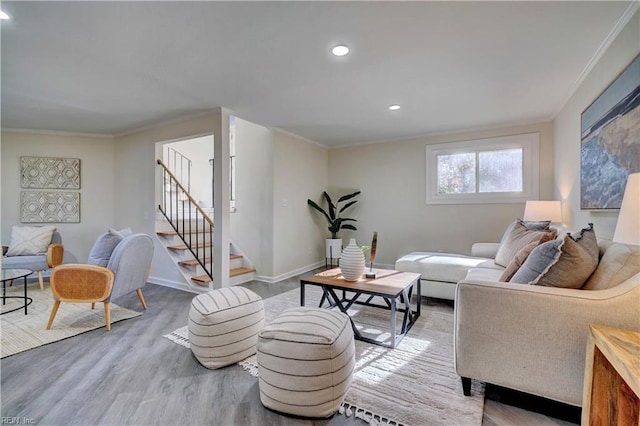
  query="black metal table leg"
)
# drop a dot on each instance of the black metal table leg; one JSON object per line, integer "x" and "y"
{"x": 25, "y": 296}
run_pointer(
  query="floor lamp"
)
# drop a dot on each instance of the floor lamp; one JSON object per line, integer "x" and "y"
{"x": 628, "y": 226}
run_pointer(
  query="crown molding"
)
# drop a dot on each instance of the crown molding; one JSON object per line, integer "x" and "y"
{"x": 615, "y": 31}
{"x": 57, "y": 133}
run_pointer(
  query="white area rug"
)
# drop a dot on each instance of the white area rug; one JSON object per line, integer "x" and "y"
{"x": 20, "y": 332}
{"x": 413, "y": 384}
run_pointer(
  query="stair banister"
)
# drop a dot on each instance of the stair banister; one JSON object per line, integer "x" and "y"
{"x": 193, "y": 201}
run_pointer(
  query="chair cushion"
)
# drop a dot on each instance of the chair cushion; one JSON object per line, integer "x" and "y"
{"x": 30, "y": 240}
{"x": 103, "y": 247}
{"x": 35, "y": 263}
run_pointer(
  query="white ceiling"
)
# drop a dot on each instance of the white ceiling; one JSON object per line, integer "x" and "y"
{"x": 112, "y": 67}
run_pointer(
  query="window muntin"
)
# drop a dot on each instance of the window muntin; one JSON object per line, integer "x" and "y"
{"x": 495, "y": 170}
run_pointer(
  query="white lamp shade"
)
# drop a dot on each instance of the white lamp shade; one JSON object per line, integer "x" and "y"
{"x": 543, "y": 210}
{"x": 628, "y": 226}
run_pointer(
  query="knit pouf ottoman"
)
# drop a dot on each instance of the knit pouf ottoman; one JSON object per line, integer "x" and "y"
{"x": 306, "y": 357}
{"x": 224, "y": 325}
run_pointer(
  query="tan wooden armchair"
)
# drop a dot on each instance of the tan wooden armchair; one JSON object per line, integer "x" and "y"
{"x": 76, "y": 283}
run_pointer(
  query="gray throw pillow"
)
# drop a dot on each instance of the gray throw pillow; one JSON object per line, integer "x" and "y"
{"x": 103, "y": 247}
{"x": 565, "y": 262}
{"x": 517, "y": 239}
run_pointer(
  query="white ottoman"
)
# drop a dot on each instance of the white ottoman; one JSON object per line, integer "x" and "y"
{"x": 306, "y": 358}
{"x": 224, "y": 325}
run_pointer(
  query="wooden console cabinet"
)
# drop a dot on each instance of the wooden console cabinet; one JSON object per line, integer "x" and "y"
{"x": 612, "y": 378}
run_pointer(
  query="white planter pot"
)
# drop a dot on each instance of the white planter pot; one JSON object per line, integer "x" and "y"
{"x": 352, "y": 262}
{"x": 333, "y": 248}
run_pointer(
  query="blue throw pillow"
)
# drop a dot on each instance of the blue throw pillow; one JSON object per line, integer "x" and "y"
{"x": 105, "y": 244}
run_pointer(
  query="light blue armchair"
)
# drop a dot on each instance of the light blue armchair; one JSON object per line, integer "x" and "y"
{"x": 37, "y": 262}
{"x": 131, "y": 262}
{"x": 127, "y": 269}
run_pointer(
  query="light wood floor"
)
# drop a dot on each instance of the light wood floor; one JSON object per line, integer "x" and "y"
{"x": 133, "y": 376}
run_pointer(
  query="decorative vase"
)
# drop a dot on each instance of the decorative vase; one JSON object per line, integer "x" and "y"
{"x": 352, "y": 262}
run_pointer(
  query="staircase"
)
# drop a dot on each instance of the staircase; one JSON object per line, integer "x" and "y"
{"x": 186, "y": 232}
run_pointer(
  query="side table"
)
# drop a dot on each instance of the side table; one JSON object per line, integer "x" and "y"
{"x": 611, "y": 393}
{"x": 14, "y": 274}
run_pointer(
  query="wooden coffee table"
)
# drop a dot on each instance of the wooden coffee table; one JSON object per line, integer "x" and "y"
{"x": 390, "y": 286}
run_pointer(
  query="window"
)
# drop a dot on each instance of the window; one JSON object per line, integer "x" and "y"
{"x": 496, "y": 170}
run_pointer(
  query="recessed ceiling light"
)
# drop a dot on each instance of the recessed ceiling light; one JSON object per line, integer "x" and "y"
{"x": 340, "y": 50}
{"x": 3, "y": 15}
{"x": 394, "y": 107}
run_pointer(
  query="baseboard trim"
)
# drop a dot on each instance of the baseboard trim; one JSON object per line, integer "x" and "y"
{"x": 262, "y": 278}
{"x": 173, "y": 284}
{"x": 278, "y": 278}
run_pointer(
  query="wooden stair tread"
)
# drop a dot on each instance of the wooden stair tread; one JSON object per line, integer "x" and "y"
{"x": 184, "y": 247}
{"x": 239, "y": 271}
{"x": 174, "y": 233}
{"x": 194, "y": 262}
{"x": 204, "y": 279}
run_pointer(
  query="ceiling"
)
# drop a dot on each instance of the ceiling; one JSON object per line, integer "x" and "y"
{"x": 113, "y": 67}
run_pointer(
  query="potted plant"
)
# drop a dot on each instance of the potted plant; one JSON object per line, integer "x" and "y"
{"x": 333, "y": 246}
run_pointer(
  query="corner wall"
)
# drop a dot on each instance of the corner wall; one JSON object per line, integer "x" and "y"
{"x": 135, "y": 175}
{"x": 391, "y": 176}
{"x": 299, "y": 172}
{"x": 567, "y": 131}
{"x": 96, "y": 185}
{"x": 251, "y": 223}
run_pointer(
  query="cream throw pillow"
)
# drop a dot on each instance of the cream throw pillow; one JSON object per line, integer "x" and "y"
{"x": 30, "y": 240}
{"x": 517, "y": 239}
{"x": 517, "y": 261}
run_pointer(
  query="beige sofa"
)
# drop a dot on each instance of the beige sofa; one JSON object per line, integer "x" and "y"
{"x": 527, "y": 337}
{"x": 533, "y": 338}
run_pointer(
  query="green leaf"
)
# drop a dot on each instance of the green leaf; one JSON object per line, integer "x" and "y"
{"x": 332, "y": 208}
{"x": 320, "y": 209}
{"x": 349, "y": 204}
{"x": 348, "y": 226}
{"x": 348, "y": 196}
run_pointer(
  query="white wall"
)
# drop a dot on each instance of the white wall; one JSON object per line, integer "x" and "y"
{"x": 135, "y": 180}
{"x": 96, "y": 156}
{"x": 299, "y": 172}
{"x": 199, "y": 151}
{"x": 252, "y": 221}
{"x": 567, "y": 131}
{"x": 391, "y": 176}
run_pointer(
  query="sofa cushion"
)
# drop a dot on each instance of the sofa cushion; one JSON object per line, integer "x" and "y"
{"x": 566, "y": 262}
{"x": 519, "y": 237}
{"x": 619, "y": 263}
{"x": 484, "y": 274}
{"x": 433, "y": 266}
{"x": 103, "y": 247}
{"x": 30, "y": 240}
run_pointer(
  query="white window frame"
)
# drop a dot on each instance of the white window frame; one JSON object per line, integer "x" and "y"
{"x": 528, "y": 142}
